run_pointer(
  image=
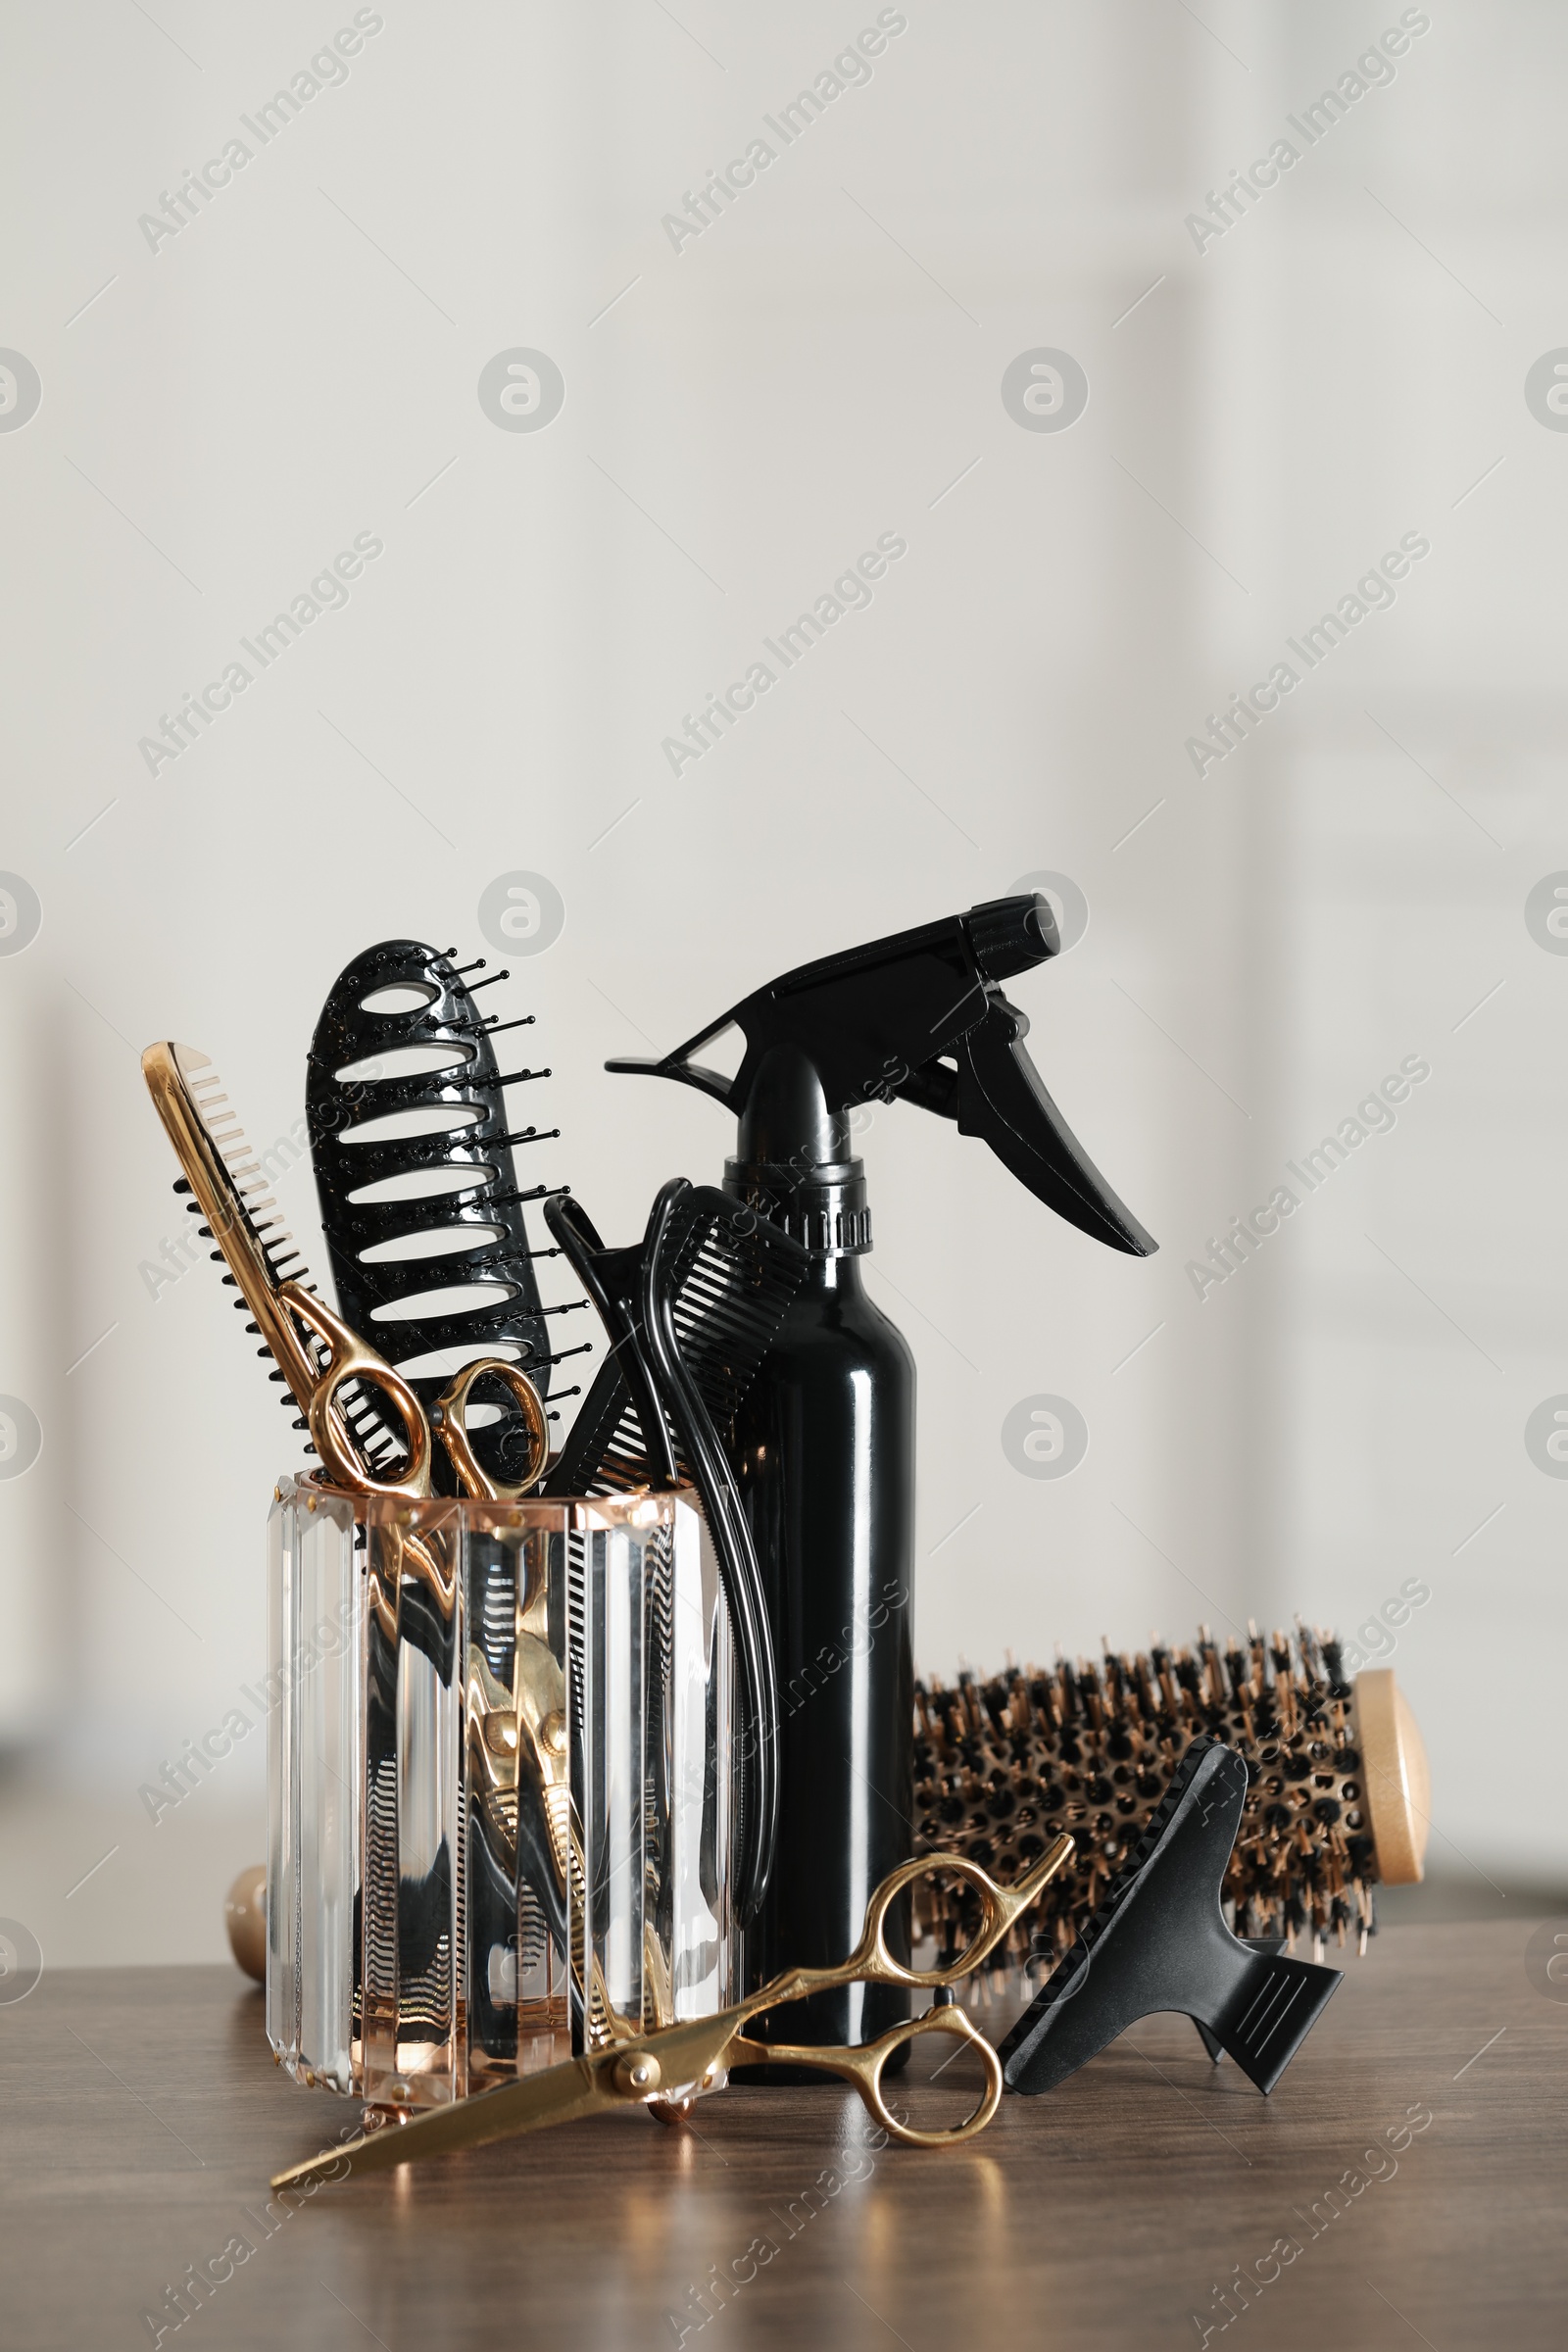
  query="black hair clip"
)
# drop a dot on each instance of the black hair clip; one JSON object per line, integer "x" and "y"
{"x": 1159, "y": 1942}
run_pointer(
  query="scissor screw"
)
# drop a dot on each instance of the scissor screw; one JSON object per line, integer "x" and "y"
{"x": 552, "y": 1733}
{"x": 636, "y": 2077}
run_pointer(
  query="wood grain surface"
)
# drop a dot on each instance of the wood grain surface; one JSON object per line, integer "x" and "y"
{"x": 140, "y": 2115}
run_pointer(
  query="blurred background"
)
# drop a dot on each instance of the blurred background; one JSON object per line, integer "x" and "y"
{"x": 1138, "y": 427}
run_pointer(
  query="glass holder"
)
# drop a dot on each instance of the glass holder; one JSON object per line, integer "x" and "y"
{"x": 498, "y": 1787}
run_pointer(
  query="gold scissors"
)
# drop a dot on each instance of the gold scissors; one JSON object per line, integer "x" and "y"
{"x": 345, "y": 1357}
{"x": 670, "y": 2067}
{"x": 230, "y": 1188}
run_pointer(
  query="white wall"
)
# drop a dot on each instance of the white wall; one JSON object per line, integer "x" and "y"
{"x": 300, "y": 364}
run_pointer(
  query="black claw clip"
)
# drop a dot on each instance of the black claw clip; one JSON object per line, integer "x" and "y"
{"x": 1159, "y": 1942}
{"x": 1269, "y": 1945}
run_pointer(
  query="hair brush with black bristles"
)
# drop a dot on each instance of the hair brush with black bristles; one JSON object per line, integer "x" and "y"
{"x": 418, "y": 1195}
{"x": 1336, "y": 1776}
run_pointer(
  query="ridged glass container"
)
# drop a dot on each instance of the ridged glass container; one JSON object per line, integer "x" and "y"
{"x": 499, "y": 1802}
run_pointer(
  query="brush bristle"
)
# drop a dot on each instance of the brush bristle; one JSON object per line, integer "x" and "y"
{"x": 256, "y": 1205}
{"x": 1003, "y": 1766}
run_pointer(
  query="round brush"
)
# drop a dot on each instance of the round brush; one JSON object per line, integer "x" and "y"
{"x": 1336, "y": 1801}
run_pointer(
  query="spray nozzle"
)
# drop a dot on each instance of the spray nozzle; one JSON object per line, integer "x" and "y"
{"x": 918, "y": 1017}
{"x": 1009, "y": 936}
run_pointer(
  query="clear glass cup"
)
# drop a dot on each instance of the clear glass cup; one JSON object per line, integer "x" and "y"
{"x": 500, "y": 1798}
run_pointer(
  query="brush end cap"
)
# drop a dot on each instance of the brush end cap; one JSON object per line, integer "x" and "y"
{"x": 1394, "y": 1769}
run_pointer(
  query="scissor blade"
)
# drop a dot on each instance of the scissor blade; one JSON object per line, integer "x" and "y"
{"x": 561, "y": 2094}
{"x": 1035, "y": 1880}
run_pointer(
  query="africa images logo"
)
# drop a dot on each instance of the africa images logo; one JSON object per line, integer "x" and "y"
{"x": 19, "y": 913}
{"x": 21, "y": 1437}
{"x": 20, "y": 1961}
{"x": 1045, "y": 390}
{"x": 1546, "y": 391}
{"x": 1546, "y": 913}
{"x": 21, "y": 391}
{"x": 1546, "y": 1436}
{"x": 522, "y": 913}
{"x": 1045, "y": 1437}
{"x": 521, "y": 390}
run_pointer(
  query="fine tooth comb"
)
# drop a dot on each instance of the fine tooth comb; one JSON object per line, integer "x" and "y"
{"x": 407, "y": 1220}
{"x": 1159, "y": 1940}
{"x": 725, "y": 1278}
{"x": 690, "y": 1312}
{"x": 230, "y": 1190}
{"x": 1337, "y": 1802}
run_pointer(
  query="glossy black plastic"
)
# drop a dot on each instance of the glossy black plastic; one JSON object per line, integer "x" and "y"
{"x": 825, "y": 1445}
{"x": 473, "y": 1142}
{"x": 919, "y": 1017}
{"x": 690, "y": 1313}
{"x": 824, "y": 1454}
{"x": 1159, "y": 1942}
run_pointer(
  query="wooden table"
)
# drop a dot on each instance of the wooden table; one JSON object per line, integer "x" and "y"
{"x": 140, "y": 2116}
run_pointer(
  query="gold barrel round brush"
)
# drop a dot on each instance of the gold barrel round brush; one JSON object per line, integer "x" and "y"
{"x": 1336, "y": 1801}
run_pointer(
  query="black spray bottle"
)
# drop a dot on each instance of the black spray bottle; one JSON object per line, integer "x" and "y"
{"x": 824, "y": 1447}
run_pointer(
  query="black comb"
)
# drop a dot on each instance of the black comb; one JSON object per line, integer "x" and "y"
{"x": 1158, "y": 1941}
{"x": 690, "y": 1312}
{"x": 463, "y": 1165}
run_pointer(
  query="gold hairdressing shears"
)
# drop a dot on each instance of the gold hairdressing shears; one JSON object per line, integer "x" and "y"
{"x": 347, "y": 1359}
{"x": 230, "y": 1187}
{"x": 669, "y": 2068}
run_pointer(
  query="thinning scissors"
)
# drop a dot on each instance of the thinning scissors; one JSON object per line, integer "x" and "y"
{"x": 670, "y": 2067}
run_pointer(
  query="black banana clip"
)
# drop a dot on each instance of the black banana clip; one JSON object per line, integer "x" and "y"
{"x": 690, "y": 1312}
